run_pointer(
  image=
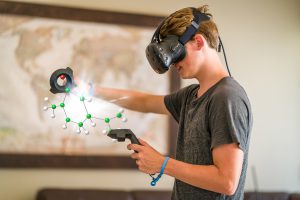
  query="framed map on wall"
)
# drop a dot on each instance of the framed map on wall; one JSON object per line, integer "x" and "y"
{"x": 103, "y": 48}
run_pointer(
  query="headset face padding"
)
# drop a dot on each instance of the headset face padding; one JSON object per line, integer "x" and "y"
{"x": 165, "y": 53}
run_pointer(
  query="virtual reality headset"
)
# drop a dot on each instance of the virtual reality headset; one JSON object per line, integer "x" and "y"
{"x": 162, "y": 53}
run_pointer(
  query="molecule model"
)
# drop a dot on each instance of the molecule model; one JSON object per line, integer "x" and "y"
{"x": 87, "y": 115}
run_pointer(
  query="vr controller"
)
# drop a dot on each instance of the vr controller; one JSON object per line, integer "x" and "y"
{"x": 66, "y": 75}
{"x": 122, "y": 134}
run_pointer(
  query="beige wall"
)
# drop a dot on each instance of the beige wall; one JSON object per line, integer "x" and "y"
{"x": 262, "y": 41}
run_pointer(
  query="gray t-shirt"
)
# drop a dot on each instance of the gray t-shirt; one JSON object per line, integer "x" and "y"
{"x": 222, "y": 115}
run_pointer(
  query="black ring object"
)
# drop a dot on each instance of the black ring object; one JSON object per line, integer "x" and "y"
{"x": 68, "y": 74}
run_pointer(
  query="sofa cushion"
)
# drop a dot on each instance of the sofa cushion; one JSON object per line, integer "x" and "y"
{"x": 82, "y": 194}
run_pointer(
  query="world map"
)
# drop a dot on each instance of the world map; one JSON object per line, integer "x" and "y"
{"x": 108, "y": 55}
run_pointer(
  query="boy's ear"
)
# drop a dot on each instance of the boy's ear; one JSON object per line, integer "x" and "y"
{"x": 199, "y": 39}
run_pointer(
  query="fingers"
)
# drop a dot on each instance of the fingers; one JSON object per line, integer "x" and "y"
{"x": 135, "y": 156}
{"x": 135, "y": 147}
{"x": 77, "y": 81}
{"x": 144, "y": 143}
{"x": 138, "y": 162}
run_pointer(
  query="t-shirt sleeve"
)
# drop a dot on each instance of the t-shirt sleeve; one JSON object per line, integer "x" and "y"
{"x": 176, "y": 100}
{"x": 229, "y": 119}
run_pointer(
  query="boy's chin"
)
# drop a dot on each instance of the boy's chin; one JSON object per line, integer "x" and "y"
{"x": 185, "y": 76}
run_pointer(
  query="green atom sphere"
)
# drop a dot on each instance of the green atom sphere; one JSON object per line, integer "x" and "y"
{"x": 67, "y": 90}
{"x": 107, "y": 120}
{"x": 68, "y": 119}
{"x": 119, "y": 115}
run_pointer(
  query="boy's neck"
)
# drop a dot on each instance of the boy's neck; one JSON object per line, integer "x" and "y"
{"x": 212, "y": 72}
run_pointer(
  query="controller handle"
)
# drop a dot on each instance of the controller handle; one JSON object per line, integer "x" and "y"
{"x": 122, "y": 134}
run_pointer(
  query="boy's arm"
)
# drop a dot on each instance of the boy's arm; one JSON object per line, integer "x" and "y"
{"x": 222, "y": 176}
{"x": 133, "y": 100}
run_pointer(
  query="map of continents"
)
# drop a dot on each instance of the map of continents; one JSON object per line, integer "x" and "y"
{"x": 104, "y": 54}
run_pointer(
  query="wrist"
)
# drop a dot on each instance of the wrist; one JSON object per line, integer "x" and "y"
{"x": 160, "y": 164}
{"x": 161, "y": 172}
{"x": 163, "y": 166}
{"x": 167, "y": 169}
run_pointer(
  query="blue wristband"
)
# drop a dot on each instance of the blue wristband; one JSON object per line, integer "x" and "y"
{"x": 154, "y": 180}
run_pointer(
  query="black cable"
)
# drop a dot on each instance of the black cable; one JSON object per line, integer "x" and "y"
{"x": 221, "y": 45}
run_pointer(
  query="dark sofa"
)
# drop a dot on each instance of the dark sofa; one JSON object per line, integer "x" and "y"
{"x": 99, "y": 194}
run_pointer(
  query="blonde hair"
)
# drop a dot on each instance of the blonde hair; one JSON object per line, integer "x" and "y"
{"x": 177, "y": 23}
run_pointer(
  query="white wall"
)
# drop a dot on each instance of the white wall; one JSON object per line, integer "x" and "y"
{"x": 262, "y": 41}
